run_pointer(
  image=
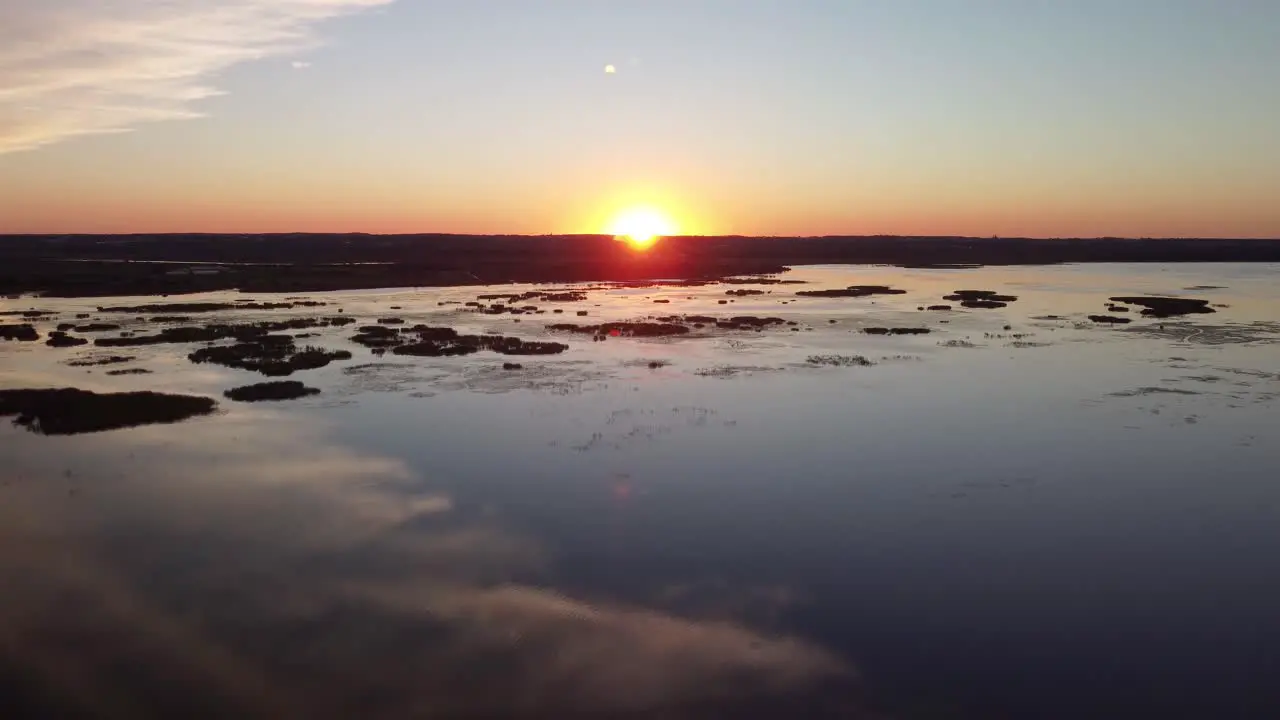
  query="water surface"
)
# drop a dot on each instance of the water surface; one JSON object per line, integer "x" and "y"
{"x": 1012, "y": 516}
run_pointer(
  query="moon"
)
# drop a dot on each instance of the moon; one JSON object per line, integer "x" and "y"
{"x": 609, "y": 69}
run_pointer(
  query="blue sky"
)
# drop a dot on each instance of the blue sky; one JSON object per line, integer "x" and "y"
{"x": 1131, "y": 117}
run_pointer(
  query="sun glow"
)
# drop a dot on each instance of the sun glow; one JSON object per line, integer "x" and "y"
{"x": 641, "y": 226}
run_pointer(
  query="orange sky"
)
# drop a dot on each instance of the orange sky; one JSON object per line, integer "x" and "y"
{"x": 428, "y": 119}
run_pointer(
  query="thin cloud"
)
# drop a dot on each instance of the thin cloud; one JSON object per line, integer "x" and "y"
{"x": 300, "y": 65}
{"x": 83, "y": 67}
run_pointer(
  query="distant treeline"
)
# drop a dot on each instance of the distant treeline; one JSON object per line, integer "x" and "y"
{"x": 154, "y": 264}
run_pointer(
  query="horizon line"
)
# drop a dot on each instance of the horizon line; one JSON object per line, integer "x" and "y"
{"x": 880, "y": 236}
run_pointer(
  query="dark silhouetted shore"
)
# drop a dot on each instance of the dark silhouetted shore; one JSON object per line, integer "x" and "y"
{"x": 106, "y": 265}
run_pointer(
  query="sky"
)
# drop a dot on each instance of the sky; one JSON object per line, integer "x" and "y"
{"x": 758, "y": 117}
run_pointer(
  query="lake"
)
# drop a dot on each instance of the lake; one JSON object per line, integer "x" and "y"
{"x": 1021, "y": 514}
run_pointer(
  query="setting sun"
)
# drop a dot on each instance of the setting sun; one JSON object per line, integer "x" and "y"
{"x": 641, "y": 226}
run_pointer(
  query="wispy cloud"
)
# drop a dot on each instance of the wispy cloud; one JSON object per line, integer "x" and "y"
{"x": 300, "y": 65}
{"x": 79, "y": 67}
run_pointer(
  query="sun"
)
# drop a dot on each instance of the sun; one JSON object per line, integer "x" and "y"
{"x": 641, "y": 226}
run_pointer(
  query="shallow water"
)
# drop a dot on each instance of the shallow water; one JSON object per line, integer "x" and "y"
{"x": 1054, "y": 520}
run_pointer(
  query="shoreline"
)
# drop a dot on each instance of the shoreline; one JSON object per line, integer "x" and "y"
{"x": 144, "y": 265}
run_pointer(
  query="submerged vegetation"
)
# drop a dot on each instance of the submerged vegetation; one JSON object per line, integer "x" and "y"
{"x": 840, "y": 360}
{"x": 748, "y": 322}
{"x": 428, "y": 341}
{"x": 668, "y": 326}
{"x": 623, "y": 329}
{"x": 101, "y": 360}
{"x": 278, "y": 390}
{"x": 1166, "y": 307}
{"x": 569, "y": 296}
{"x": 378, "y": 336}
{"x": 70, "y": 411}
{"x": 980, "y": 299}
{"x": 271, "y": 355}
{"x": 206, "y": 307}
{"x": 272, "y": 346}
{"x": 896, "y": 331}
{"x": 853, "y": 291}
{"x": 60, "y": 339}
{"x": 469, "y": 344}
{"x": 25, "y": 332}
{"x": 210, "y": 333}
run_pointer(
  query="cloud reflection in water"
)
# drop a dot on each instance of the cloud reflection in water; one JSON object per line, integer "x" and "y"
{"x": 246, "y": 566}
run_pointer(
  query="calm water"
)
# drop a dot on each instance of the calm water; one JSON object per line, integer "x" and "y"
{"x": 1054, "y": 520}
